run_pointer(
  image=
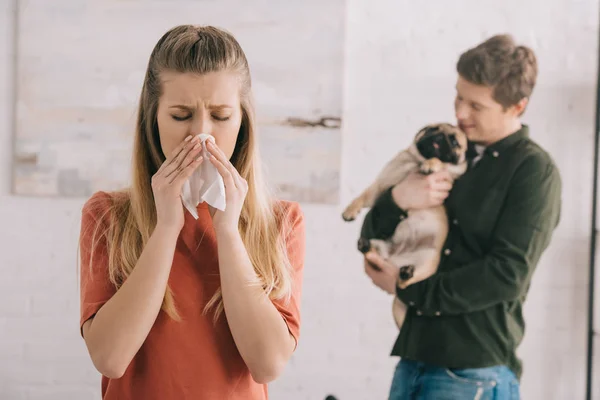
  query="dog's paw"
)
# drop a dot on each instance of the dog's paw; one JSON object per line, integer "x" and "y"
{"x": 348, "y": 216}
{"x": 351, "y": 212}
{"x": 431, "y": 165}
{"x": 407, "y": 272}
{"x": 364, "y": 245}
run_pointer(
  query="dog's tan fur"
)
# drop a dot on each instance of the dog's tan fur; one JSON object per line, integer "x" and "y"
{"x": 417, "y": 240}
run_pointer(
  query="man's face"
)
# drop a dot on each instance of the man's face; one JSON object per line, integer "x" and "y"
{"x": 482, "y": 118}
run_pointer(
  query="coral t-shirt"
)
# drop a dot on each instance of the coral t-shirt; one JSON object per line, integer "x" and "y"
{"x": 192, "y": 358}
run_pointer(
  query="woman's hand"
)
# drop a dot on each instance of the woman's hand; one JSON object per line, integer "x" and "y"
{"x": 236, "y": 189}
{"x": 167, "y": 183}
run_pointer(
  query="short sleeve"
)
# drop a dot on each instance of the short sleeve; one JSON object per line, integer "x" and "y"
{"x": 294, "y": 229}
{"x": 95, "y": 286}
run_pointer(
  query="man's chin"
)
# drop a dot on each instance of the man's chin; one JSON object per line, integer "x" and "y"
{"x": 471, "y": 137}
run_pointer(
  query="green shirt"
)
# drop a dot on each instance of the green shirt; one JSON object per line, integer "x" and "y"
{"x": 502, "y": 213}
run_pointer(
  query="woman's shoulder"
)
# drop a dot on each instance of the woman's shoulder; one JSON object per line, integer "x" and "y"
{"x": 100, "y": 202}
{"x": 288, "y": 208}
{"x": 289, "y": 212}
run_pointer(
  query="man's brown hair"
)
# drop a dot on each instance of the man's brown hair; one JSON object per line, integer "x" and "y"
{"x": 499, "y": 63}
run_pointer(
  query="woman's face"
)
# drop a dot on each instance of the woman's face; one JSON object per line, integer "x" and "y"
{"x": 192, "y": 104}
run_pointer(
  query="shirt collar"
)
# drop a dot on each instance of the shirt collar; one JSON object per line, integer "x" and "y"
{"x": 509, "y": 141}
{"x": 501, "y": 145}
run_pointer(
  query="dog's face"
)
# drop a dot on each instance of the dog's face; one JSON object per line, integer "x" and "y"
{"x": 444, "y": 141}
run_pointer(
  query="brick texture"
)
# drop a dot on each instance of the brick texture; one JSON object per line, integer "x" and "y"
{"x": 399, "y": 76}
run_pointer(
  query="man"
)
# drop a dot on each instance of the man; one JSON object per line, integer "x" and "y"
{"x": 465, "y": 323}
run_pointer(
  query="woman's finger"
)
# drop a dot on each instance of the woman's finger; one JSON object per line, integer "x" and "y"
{"x": 179, "y": 163}
{"x": 192, "y": 155}
{"x": 239, "y": 181}
{"x": 218, "y": 153}
{"x": 175, "y": 152}
{"x": 224, "y": 172}
{"x": 187, "y": 171}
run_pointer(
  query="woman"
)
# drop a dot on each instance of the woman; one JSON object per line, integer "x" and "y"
{"x": 174, "y": 307}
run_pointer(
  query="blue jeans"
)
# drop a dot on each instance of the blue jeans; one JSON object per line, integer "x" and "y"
{"x": 418, "y": 381}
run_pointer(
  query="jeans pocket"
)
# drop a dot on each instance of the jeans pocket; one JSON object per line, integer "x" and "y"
{"x": 481, "y": 377}
{"x": 462, "y": 384}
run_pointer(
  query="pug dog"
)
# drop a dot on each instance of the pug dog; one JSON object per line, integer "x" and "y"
{"x": 416, "y": 243}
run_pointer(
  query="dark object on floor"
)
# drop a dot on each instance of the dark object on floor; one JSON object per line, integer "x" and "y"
{"x": 330, "y": 397}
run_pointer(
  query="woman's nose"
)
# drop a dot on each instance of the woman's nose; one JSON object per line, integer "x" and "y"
{"x": 201, "y": 124}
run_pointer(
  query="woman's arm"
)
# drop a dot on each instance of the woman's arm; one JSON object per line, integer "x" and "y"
{"x": 118, "y": 330}
{"x": 259, "y": 331}
{"x": 264, "y": 338}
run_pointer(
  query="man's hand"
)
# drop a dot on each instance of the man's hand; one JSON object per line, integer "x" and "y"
{"x": 422, "y": 191}
{"x": 386, "y": 277}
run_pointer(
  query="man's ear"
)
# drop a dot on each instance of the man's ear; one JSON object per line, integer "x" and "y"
{"x": 519, "y": 108}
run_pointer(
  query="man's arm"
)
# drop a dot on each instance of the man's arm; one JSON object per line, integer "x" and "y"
{"x": 391, "y": 207}
{"x": 382, "y": 219}
{"x": 522, "y": 233}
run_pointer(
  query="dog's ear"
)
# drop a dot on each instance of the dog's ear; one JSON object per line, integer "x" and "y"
{"x": 460, "y": 135}
{"x": 420, "y": 134}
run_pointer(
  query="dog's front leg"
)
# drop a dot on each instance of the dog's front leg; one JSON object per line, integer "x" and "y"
{"x": 365, "y": 199}
{"x": 431, "y": 165}
{"x": 394, "y": 171}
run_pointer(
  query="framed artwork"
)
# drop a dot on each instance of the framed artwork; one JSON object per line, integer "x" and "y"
{"x": 81, "y": 64}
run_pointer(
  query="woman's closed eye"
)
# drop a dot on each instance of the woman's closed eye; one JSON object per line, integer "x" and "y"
{"x": 221, "y": 117}
{"x": 181, "y": 117}
{"x": 188, "y": 116}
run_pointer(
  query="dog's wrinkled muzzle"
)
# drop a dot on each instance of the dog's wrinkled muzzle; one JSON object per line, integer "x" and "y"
{"x": 438, "y": 144}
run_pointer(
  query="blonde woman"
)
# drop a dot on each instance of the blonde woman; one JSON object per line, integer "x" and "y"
{"x": 174, "y": 307}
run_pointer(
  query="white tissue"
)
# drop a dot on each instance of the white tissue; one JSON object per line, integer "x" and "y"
{"x": 205, "y": 184}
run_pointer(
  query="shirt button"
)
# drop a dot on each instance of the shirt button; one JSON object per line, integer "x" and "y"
{"x": 455, "y": 221}
{"x": 447, "y": 252}
{"x": 419, "y": 312}
{"x": 411, "y": 303}
{"x": 495, "y": 154}
{"x": 437, "y": 313}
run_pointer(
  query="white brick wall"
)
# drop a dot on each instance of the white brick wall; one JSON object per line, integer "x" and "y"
{"x": 400, "y": 75}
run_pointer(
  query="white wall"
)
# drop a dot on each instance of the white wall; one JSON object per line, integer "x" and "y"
{"x": 400, "y": 75}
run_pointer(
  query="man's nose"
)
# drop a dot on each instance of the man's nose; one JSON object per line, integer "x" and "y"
{"x": 461, "y": 113}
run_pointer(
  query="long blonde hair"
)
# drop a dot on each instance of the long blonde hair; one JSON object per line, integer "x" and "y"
{"x": 200, "y": 50}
